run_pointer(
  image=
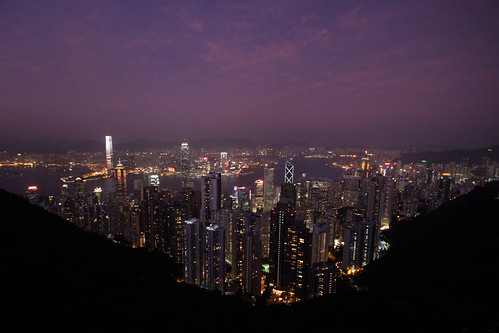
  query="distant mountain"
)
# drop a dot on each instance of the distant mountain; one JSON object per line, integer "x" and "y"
{"x": 222, "y": 143}
{"x": 59, "y": 146}
{"x": 457, "y": 155}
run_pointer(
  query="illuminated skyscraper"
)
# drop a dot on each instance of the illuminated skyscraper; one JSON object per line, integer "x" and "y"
{"x": 120, "y": 180}
{"x": 323, "y": 279}
{"x": 351, "y": 190}
{"x": 252, "y": 263}
{"x": 109, "y": 153}
{"x": 210, "y": 197}
{"x": 297, "y": 259}
{"x": 193, "y": 251}
{"x": 258, "y": 197}
{"x": 444, "y": 186}
{"x": 359, "y": 237}
{"x": 289, "y": 170}
{"x": 185, "y": 166}
{"x": 242, "y": 195}
{"x": 320, "y": 243}
{"x": 79, "y": 195}
{"x": 268, "y": 189}
{"x": 283, "y": 215}
{"x": 32, "y": 194}
{"x": 214, "y": 258}
{"x": 224, "y": 163}
{"x": 153, "y": 180}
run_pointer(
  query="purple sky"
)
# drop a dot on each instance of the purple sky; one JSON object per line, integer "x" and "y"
{"x": 332, "y": 72}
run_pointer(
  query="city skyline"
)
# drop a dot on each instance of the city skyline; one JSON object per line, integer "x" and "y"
{"x": 337, "y": 73}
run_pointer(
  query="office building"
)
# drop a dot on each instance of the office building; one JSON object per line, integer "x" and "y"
{"x": 282, "y": 216}
{"x": 268, "y": 189}
{"x": 109, "y": 153}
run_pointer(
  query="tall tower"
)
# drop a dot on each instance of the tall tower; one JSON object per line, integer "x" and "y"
{"x": 297, "y": 259}
{"x": 109, "y": 153}
{"x": 192, "y": 251}
{"x": 258, "y": 198}
{"x": 268, "y": 189}
{"x": 120, "y": 180}
{"x": 211, "y": 203}
{"x": 283, "y": 215}
{"x": 251, "y": 262}
{"x": 358, "y": 250}
{"x": 224, "y": 162}
{"x": 214, "y": 257}
{"x": 289, "y": 170}
{"x": 185, "y": 165}
{"x": 243, "y": 198}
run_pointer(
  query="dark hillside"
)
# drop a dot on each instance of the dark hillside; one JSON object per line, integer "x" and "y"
{"x": 59, "y": 276}
{"x": 456, "y": 155}
{"x": 439, "y": 275}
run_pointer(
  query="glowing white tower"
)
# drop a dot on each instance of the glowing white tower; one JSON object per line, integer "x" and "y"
{"x": 109, "y": 152}
{"x": 289, "y": 170}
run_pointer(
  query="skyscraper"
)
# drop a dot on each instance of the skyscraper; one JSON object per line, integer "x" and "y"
{"x": 289, "y": 170}
{"x": 297, "y": 259}
{"x": 120, "y": 180}
{"x": 224, "y": 162}
{"x": 259, "y": 196}
{"x": 242, "y": 194}
{"x": 32, "y": 194}
{"x": 268, "y": 189}
{"x": 192, "y": 251}
{"x": 282, "y": 216}
{"x": 109, "y": 153}
{"x": 185, "y": 166}
{"x": 214, "y": 258}
{"x": 359, "y": 237}
{"x": 252, "y": 263}
{"x": 210, "y": 197}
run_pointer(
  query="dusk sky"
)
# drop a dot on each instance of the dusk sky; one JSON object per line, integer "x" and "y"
{"x": 383, "y": 73}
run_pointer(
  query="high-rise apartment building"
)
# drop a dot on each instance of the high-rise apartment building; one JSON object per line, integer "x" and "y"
{"x": 193, "y": 250}
{"x": 282, "y": 216}
{"x": 210, "y": 198}
{"x": 242, "y": 195}
{"x": 214, "y": 258}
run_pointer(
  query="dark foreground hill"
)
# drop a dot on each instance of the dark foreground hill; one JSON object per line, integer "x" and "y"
{"x": 439, "y": 275}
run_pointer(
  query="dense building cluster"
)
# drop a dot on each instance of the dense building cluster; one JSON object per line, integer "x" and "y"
{"x": 292, "y": 237}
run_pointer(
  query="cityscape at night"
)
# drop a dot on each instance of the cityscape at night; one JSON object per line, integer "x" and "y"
{"x": 250, "y": 166}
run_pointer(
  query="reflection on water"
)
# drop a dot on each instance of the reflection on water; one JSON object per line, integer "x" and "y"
{"x": 16, "y": 180}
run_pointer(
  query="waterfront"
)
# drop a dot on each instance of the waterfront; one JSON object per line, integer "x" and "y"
{"x": 48, "y": 180}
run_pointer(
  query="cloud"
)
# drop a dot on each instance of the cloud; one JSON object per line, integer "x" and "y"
{"x": 23, "y": 66}
{"x": 231, "y": 57}
{"x": 353, "y": 21}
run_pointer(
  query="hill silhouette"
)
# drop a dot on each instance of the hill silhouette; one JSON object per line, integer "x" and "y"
{"x": 439, "y": 275}
{"x": 60, "y": 276}
{"x": 456, "y": 155}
